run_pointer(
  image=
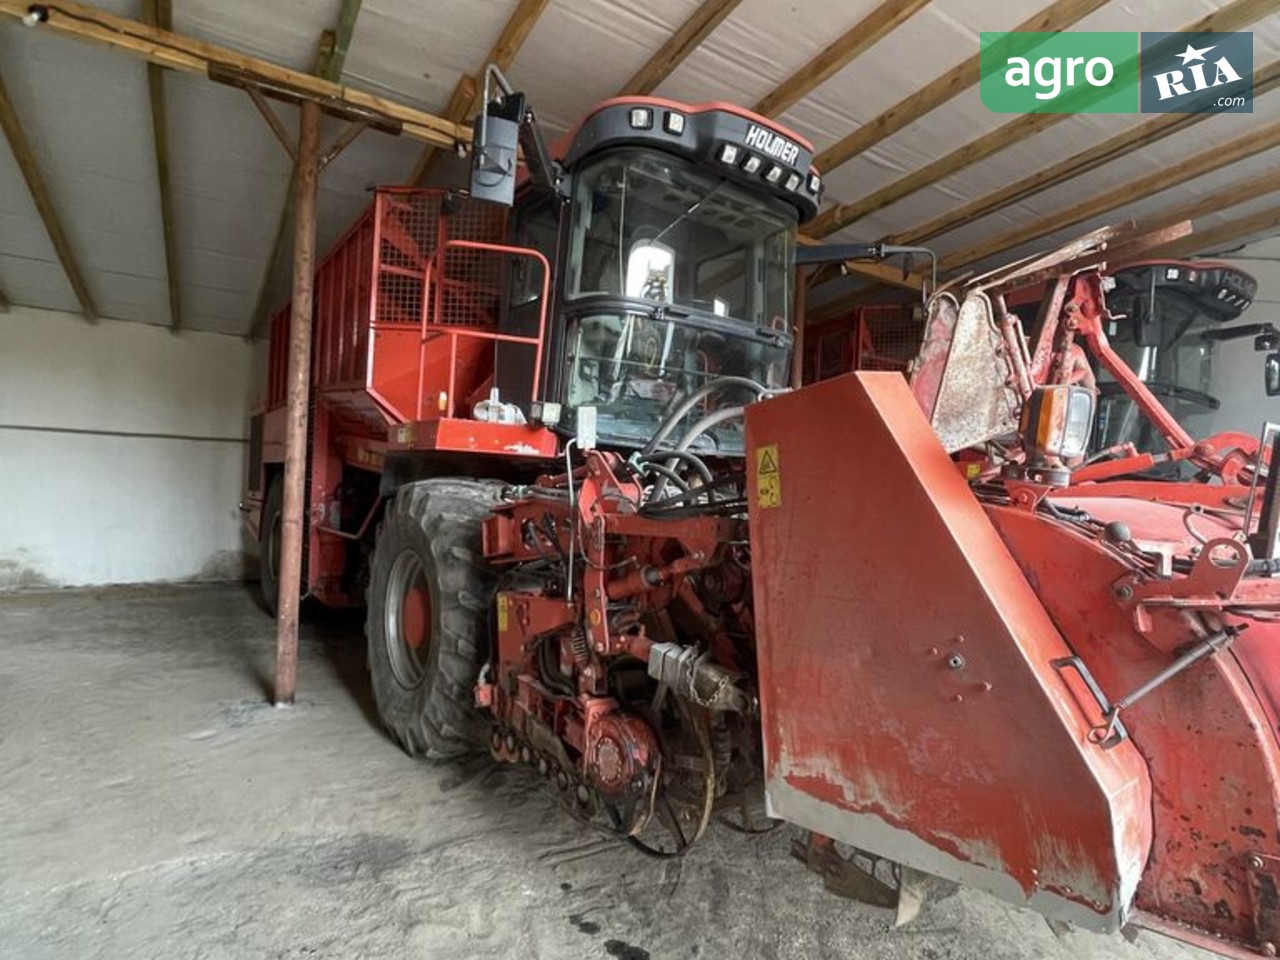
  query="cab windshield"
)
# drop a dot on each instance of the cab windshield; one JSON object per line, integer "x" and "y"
{"x": 675, "y": 277}
{"x": 656, "y": 227}
{"x": 1178, "y": 369}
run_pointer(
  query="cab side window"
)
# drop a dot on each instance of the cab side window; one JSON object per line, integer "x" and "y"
{"x": 536, "y": 226}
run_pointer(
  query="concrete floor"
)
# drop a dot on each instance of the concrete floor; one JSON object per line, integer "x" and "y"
{"x": 153, "y": 806}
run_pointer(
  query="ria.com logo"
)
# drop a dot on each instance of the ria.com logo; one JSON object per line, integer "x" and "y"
{"x": 1077, "y": 72}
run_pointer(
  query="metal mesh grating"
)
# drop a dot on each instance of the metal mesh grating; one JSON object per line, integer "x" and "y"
{"x": 411, "y": 227}
{"x": 876, "y": 337}
{"x": 892, "y": 337}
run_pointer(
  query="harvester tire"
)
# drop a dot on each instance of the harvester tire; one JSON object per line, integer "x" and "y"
{"x": 428, "y": 600}
{"x": 269, "y": 545}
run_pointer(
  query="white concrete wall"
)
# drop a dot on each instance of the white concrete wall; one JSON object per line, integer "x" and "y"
{"x": 1237, "y": 374}
{"x": 122, "y": 452}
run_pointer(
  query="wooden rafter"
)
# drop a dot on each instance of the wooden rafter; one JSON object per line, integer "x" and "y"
{"x": 838, "y": 54}
{"x": 885, "y": 273}
{"x": 159, "y": 13}
{"x": 1263, "y": 223}
{"x": 1232, "y": 195}
{"x": 1025, "y": 126}
{"x": 466, "y": 94}
{"x": 520, "y": 24}
{"x": 709, "y": 15}
{"x": 330, "y": 61}
{"x": 461, "y": 102}
{"x": 1057, "y": 16}
{"x": 1242, "y": 191}
{"x": 1234, "y": 16}
{"x": 1265, "y": 80}
{"x": 39, "y": 189}
{"x": 189, "y": 55}
{"x": 1198, "y": 165}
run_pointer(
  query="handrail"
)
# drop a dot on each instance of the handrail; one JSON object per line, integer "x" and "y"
{"x": 432, "y": 301}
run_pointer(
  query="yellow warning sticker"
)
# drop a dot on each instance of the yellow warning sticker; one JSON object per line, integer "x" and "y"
{"x": 503, "y": 616}
{"x": 768, "y": 477}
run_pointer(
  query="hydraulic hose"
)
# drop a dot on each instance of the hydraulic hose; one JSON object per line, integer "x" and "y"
{"x": 693, "y": 433}
{"x": 713, "y": 419}
{"x": 684, "y": 455}
{"x": 666, "y": 473}
{"x": 689, "y": 402}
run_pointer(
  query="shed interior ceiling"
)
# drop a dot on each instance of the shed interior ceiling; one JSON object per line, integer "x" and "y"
{"x": 86, "y": 112}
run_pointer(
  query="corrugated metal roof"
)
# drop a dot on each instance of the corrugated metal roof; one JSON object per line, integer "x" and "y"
{"x": 86, "y": 113}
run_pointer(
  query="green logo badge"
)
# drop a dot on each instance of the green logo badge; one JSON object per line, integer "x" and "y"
{"x": 1074, "y": 72}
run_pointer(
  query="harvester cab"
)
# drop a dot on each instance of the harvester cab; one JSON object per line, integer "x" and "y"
{"x": 1169, "y": 317}
{"x": 670, "y": 231}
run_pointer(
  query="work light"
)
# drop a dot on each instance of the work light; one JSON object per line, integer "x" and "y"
{"x": 1056, "y": 422}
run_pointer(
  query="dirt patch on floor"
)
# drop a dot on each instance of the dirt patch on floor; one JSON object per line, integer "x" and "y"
{"x": 154, "y": 806}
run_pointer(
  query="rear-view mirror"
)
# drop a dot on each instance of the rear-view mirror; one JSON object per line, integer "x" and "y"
{"x": 1271, "y": 374}
{"x": 494, "y": 154}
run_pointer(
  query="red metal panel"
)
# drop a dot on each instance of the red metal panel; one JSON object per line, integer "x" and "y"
{"x": 1208, "y": 734}
{"x": 331, "y": 314}
{"x": 476, "y": 436}
{"x": 908, "y": 699}
{"x": 345, "y": 308}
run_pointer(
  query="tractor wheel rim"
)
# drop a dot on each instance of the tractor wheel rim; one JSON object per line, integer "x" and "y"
{"x": 408, "y": 619}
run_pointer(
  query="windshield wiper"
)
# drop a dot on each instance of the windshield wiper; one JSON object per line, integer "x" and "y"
{"x": 689, "y": 212}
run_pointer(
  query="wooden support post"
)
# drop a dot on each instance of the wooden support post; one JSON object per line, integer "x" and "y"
{"x": 331, "y": 58}
{"x": 159, "y": 13}
{"x": 292, "y": 525}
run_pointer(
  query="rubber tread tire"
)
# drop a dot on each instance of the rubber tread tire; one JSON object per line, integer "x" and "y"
{"x": 268, "y": 580}
{"x": 440, "y": 520}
